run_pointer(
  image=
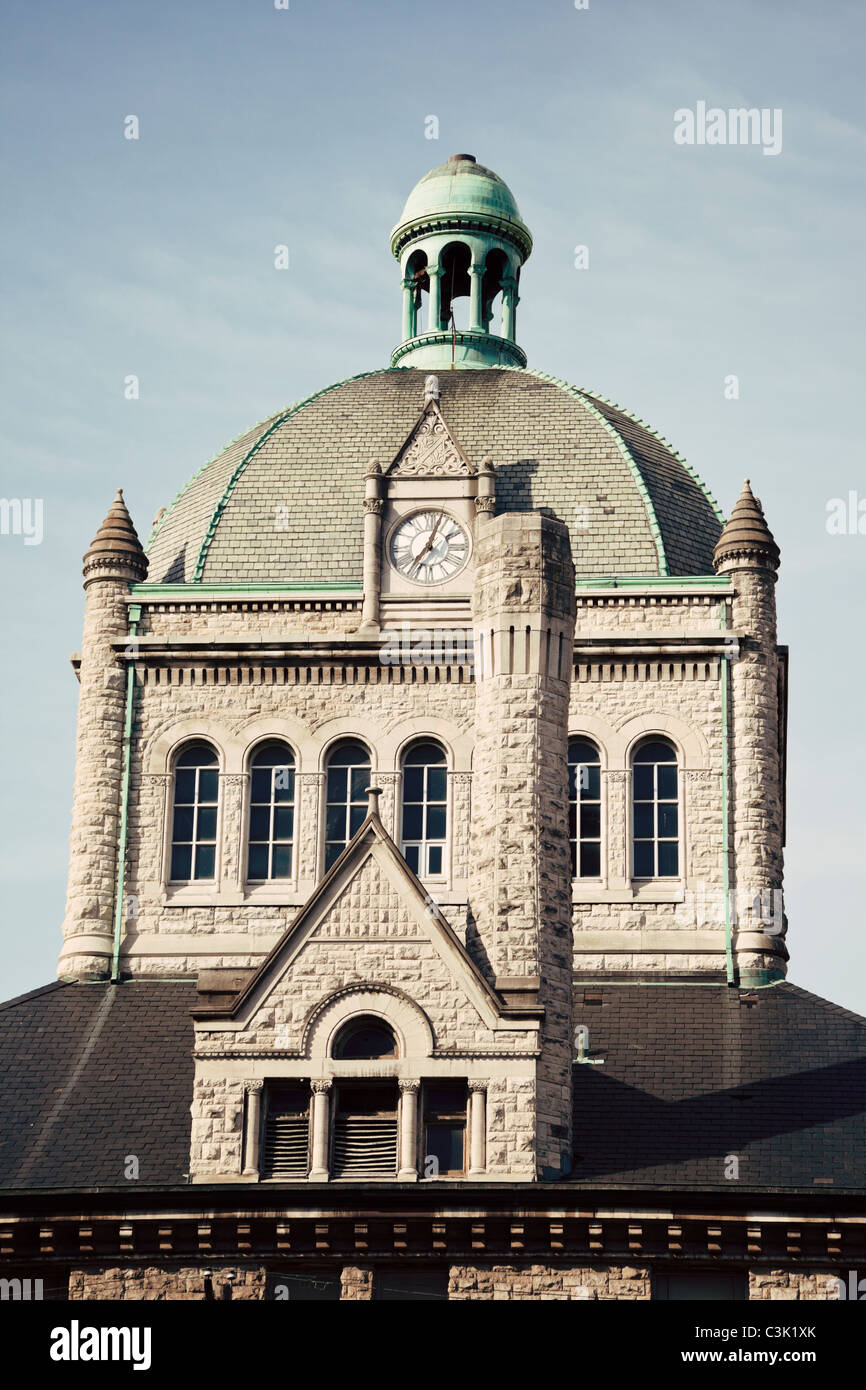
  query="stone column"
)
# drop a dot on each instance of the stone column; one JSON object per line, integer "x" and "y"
{"x": 477, "y": 1127}
{"x": 231, "y": 828}
{"x": 373, "y": 508}
{"x": 520, "y": 872}
{"x": 616, "y": 865}
{"x": 252, "y": 1132}
{"x": 319, "y": 1171}
{"x": 408, "y": 1170}
{"x": 114, "y": 561}
{"x": 307, "y": 812}
{"x": 476, "y": 273}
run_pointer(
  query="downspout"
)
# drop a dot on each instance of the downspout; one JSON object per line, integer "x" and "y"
{"x": 120, "y": 878}
{"x": 726, "y": 832}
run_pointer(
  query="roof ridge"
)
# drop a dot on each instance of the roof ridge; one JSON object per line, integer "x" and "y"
{"x": 652, "y": 519}
{"x": 34, "y": 994}
{"x": 273, "y": 423}
{"x": 158, "y": 525}
{"x": 825, "y": 1003}
{"x": 693, "y": 473}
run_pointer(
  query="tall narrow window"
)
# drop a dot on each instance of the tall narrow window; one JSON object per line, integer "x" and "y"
{"x": 194, "y": 818}
{"x": 444, "y": 1129}
{"x": 347, "y": 779}
{"x": 285, "y": 1150}
{"x": 425, "y": 810}
{"x": 655, "y": 810}
{"x": 584, "y": 809}
{"x": 365, "y": 1130}
{"x": 272, "y": 812}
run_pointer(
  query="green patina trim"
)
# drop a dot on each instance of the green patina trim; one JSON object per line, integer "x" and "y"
{"x": 120, "y": 871}
{"x": 155, "y": 530}
{"x": 720, "y": 516}
{"x": 325, "y": 588}
{"x": 652, "y": 519}
{"x": 251, "y": 453}
{"x": 651, "y": 581}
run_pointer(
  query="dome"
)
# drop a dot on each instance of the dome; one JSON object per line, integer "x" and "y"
{"x": 284, "y": 504}
{"x": 461, "y": 186}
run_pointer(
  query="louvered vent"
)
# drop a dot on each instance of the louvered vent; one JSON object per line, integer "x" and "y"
{"x": 365, "y": 1146}
{"x": 287, "y": 1136}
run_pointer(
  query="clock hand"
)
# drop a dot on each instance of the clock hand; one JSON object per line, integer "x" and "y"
{"x": 429, "y": 546}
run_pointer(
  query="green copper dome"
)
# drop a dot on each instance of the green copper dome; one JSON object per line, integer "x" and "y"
{"x": 461, "y": 187}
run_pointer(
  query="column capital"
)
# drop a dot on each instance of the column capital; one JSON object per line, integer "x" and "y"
{"x": 321, "y": 1085}
{"x": 477, "y": 1084}
{"x": 253, "y": 1084}
{"x": 409, "y": 1087}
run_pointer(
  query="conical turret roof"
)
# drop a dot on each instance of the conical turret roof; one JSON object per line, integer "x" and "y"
{"x": 116, "y": 542}
{"x": 746, "y": 534}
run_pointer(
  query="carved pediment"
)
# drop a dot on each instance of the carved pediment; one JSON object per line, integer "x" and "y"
{"x": 431, "y": 450}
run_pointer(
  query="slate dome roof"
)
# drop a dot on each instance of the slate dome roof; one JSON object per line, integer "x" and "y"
{"x": 283, "y": 504}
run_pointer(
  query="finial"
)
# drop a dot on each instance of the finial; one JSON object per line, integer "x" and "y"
{"x": 373, "y": 794}
{"x": 373, "y": 468}
{"x": 431, "y": 389}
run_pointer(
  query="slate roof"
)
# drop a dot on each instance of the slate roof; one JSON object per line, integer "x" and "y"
{"x": 90, "y": 1073}
{"x": 690, "y": 1073}
{"x": 284, "y": 502}
{"x": 693, "y": 1073}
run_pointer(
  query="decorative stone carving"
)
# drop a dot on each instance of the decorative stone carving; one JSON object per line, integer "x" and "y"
{"x": 252, "y": 1085}
{"x": 321, "y": 1085}
{"x": 430, "y": 451}
{"x": 409, "y": 1087}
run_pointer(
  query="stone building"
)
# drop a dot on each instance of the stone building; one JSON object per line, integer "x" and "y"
{"x": 425, "y": 934}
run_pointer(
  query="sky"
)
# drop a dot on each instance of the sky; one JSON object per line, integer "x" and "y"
{"x": 307, "y": 127}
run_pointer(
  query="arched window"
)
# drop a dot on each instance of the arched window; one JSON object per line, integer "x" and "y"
{"x": 655, "y": 810}
{"x": 364, "y": 1039}
{"x": 416, "y": 273}
{"x": 425, "y": 809}
{"x": 455, "y": 261}
{"x": 272, "y": 813}
{"x": 348, "y": 777}
{"x": 584, "y": 809}
{"x": 194, "y": 817}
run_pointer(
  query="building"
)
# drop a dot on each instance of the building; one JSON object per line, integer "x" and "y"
{"x": 424, "y": 933}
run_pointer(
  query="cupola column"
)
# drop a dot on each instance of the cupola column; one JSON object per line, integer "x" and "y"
{"x": 435, "y": 275}
{"x": 408, "y": 307}
{"x": 476, "y": 275}
{"x": 510, "y": 300}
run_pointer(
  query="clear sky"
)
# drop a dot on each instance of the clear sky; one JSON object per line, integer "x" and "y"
{"x": 306, "y": 127}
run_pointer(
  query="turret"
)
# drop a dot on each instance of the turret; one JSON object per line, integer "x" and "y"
{"x": 520, "y": 884}
{"x": 747, "y": 552}
{"x": 114, "y": 561}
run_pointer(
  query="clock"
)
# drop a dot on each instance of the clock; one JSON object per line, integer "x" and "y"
{"x": 429, "y": 547}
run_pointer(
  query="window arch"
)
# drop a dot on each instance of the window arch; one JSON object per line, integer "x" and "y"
{"x": 346, "y": 781}
{"x": 454, "y": 261}
{"x": 425, "y": 809}
{"x": 655, "y": 810}
{"x": 271, "y": 830}
{"x": 584, "y": 808}
{"x": 194, "y": 814}
{"x": 364, "y": 1039}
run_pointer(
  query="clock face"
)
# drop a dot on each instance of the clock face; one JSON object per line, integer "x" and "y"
{"x": 429, "y": 547}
